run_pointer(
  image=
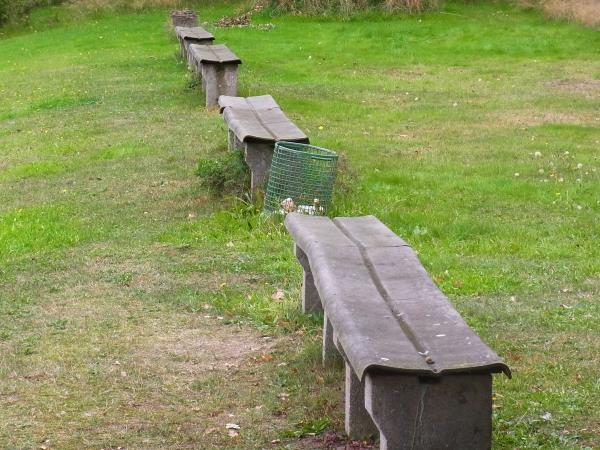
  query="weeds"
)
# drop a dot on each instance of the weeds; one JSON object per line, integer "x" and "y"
{"x": 586, "y": 12}
{"x": 227, "y": 173}
{"x": 348, "y": 7}
{"x": 583, "y": 11}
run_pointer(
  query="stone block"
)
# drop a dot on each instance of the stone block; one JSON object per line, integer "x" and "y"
{"x": 451, "y": 412}
{"x": 184, "y": 18}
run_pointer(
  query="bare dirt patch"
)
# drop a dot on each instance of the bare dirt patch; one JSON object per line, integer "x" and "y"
{"x": 589, "y": 88}
{"x": 208, "y": 347}
{"x": 331, "y": 441}
{"x": 526, "y": 118}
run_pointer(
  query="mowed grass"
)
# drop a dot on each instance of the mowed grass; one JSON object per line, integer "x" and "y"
{"x": 136, "y": 310}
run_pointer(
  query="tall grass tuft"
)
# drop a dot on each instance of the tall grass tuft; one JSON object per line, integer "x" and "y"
{"x": 586, "y": 12}
{"x": 347, "y": 7}
{"x": 583, "y": 11}
{"x": 93, "y": 6}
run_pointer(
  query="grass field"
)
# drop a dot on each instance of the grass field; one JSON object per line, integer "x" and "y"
{"x": 137, "y": 310}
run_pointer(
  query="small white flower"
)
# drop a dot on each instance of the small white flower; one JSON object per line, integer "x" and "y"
{"x": 579, "y": 207}
{"x": 560, "y": 180}
{"x": 537, "y": 154}
{"x": 517, "y": 174}
{"x": 541, "y": 171}
{"x": 578, "y": 180}
{"x": 579, "y": 166}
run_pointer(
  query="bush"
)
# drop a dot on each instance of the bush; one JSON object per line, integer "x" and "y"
{"x": 226, "y": 174}
{"x": 17, "y": 9}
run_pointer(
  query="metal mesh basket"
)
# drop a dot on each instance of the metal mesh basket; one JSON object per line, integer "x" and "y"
{"x": 301, "y": 179}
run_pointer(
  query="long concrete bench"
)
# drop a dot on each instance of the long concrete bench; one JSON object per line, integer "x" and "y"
{"x": 255, "y": 124}
{"x": 216, "y": 67}
{"x": 415, "y": 372}
{"x": 192, "y": 35}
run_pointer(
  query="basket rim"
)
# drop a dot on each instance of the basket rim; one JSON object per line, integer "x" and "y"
{"x": 304, "y": 148}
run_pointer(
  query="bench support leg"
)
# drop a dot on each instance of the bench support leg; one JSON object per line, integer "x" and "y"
{"x": 217, "y": 80}
{"x": 228, "y": 80}
{"x": 191, "y": 62}
{"x": 331, "y": 355}
{"x": 258, "y": 156}
{"x": 233, "y": 142}
{"x": 311, "y": 302}
{"x": 210, "y": 84}
{"x": 454, "y": 411}
{"x": 358, "y": 422}
{"x": 182, "y": 49}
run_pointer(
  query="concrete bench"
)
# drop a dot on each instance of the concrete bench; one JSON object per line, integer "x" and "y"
{"x": 216, "y": 67}
{"x": 184, "y": 18}
{"x": 255, "y": 124}
{"x": 192, "y": 35}
{"x": 415, "y": 372}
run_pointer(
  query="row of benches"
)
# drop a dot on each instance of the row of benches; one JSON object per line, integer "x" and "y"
{"x": 416, "y": 374}
{"x": 254, "y": 123}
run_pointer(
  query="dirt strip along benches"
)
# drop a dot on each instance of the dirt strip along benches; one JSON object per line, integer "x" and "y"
{"x": 192, "y": 35}
{"x": 415, "y": 372}
{"x": 216, "y": 67}
{"x": 255, "y": 124}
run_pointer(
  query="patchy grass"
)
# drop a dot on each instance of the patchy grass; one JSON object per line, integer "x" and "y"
{"x": 137, "y": 310}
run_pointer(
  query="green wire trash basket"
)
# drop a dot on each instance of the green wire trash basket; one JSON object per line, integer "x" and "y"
{"x": 301, "y": 179}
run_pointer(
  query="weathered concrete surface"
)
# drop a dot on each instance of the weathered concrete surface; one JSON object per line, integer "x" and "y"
{"x": 217, "y": 80}
{"x": 450, "y": 412}
{"x": 217, "y": 53}
{"x": 357, "y": 421}
{"x": 385, "y": 309}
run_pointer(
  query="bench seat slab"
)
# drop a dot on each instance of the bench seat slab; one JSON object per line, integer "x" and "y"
{"x": 386, "y": 311}
{"x": 259, "y": 118}
{"x": 257, "y": 123}
{"x": 191, "y": 35}
{"x": 218, "y": 54}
